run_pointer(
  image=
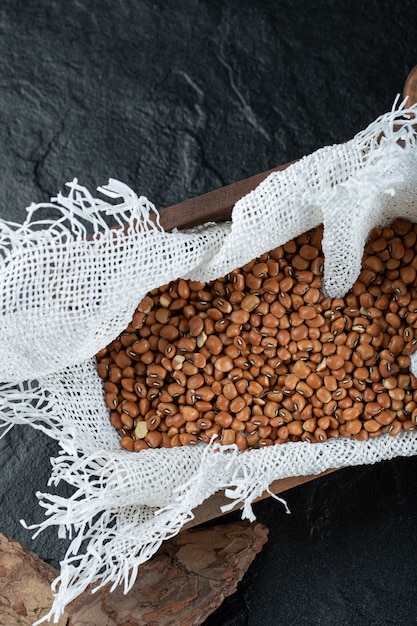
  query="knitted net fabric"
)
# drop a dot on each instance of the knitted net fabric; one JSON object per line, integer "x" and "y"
{"x": 69, "y": 286}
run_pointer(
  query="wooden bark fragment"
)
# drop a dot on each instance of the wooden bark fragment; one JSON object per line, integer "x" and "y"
{"x": 181, "y": 585}
{"x": 25, "y": 585}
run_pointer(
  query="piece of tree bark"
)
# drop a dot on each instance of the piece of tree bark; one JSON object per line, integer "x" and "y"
{"x": 181, "y": 585}
{"x": 25, "y": 585}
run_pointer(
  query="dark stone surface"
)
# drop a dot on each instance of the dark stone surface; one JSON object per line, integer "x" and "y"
{"x": 175, "y": 99}
{"x": 345, "y": 556}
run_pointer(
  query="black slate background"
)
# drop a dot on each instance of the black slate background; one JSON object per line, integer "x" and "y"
{"x": 176, "y": 99}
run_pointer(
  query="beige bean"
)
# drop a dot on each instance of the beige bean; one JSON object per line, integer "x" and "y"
{"x": 224, "y": 364}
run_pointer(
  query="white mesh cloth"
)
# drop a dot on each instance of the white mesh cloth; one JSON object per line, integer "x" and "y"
{"x": 63, "y": 297}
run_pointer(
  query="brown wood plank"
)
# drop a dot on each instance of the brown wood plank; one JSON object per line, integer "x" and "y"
{"x": 410, "y": 87}
{"x": 214, "y": 206}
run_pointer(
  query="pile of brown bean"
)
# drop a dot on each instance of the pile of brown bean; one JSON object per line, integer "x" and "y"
{"x": 261, "y": 357}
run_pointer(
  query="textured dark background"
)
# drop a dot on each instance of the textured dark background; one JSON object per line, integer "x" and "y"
{"x": 175, "y": 99}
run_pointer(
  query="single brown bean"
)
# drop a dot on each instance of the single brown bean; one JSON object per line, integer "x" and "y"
{"x": 187, "y": 439}
{"x": 384, "y": 418}
{"x": 301, "y": 370}
{"x": 283, "y": 433}
{"x": 191, "y": 428}
{"x": 189, "y": 413}
{"x": 396, "y": 345}
{"x": 110, "y": 387}
{"x": 361, "y": 374}
{"x": 314, "y": 381}
{"x": 223, "y": 419}
{"x": 295, "y": 428}
{"x": 214, "y": 345}
{"x": 249, "y": 303}
{"x": 323, "y": 395}
{"x": 354, "y": 426}
{"x": 196, "y": 325}
{"x": 195, "y": 381}
{"x": 330, "y": 383}
{"x": 228, "y": 436}
{"x": 237, "y": 404}
{"x": 335, "y": 362}
{"x": 130, "y": 408}
{"x": 351, "y": 413}
{"x": 127, "y": 443}
{"x": 371, "y": 426}
{"x": 286, "y": 284}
